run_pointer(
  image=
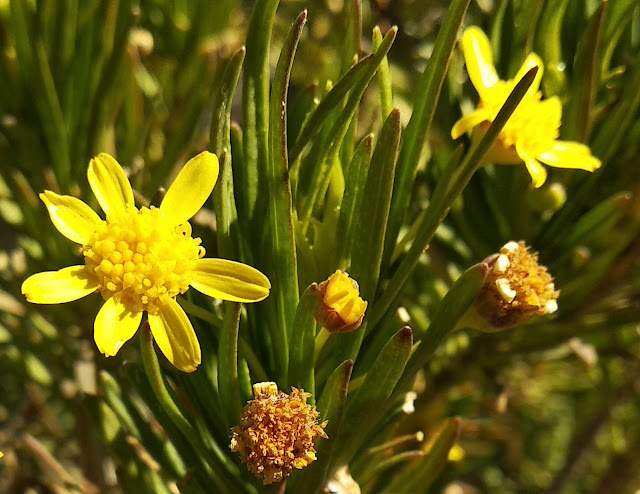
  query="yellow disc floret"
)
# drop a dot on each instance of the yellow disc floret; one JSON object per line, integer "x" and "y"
{"x": 140, "y": 256}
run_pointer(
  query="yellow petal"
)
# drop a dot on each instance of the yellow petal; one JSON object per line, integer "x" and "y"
{"x": 72, "y": 217}
{"x": 229, "y": 280}
{"x": 115, "y": 325}
{"x": 551, "y": 108}
{"x": 191, "y": 188}
{"x": 536, "y": 170}
{"x": 109, "y": 184}
{"x": 532, "y": 60}
{"x": 467, "y": 123}
{"x": 567, "y": 154}
{"x": 58, "y": 287}
{"x": 175, "y": 336}
{"x": 479, "y": 59}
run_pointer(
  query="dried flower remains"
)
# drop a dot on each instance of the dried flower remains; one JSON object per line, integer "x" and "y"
{"x": 277, "y": 432}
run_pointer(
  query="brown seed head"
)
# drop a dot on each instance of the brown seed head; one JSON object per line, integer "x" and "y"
{"x": 517, "y": 289}
{"x": 277, "y": 432}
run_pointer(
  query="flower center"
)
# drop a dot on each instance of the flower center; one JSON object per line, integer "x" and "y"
{"x": 139, "y": 257}
{"x": 534, "y": 124}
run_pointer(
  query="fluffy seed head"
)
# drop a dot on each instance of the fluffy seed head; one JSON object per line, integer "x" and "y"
{"x": 277, "y": 432}
{"x": 517, "y": 289}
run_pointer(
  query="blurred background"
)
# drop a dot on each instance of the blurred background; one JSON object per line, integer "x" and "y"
{"x": 549, "y": 407}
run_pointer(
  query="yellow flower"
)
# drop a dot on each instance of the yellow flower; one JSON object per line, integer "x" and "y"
{"x": 141, "y": 259}
{"x": 277, "y": 432}
{"x": 340, "y": 308}
{"x": 531, "y": 134}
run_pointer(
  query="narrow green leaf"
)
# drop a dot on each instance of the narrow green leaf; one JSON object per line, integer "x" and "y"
{"x": 577, "y": 119}
{"x": 601, "y": 217}
{"x": 419, "y": 476}
{"x": 228, "y": 384}
{"x": 521, "y": 42}
{"x": 368, "y": 240}
{"x": 384, "y": 78}
{"x": 300, "y": 108}
{"x": 351, "y": 48}
{"x": 549, "y": 46}
{"x": 113, "y": 397}
{"x": 368, "y": 404}
{"x": 220, "y": 138}
{"x": 255, "y": 111}
{"x": 220, "y": 144}
{"x": 415, "y": 134}
{"x": 364, "y": 69}
{"x": 302, "y": 343}
{"x": 606, "y": 146}
{"x": 355, "y": 180}
{"x": 281, "y": 238}
{"x": 449, "y": 312}
{"x": 331, "y": 407}
{"x": 619, "y": 15}
{"x": 444, "y": 196}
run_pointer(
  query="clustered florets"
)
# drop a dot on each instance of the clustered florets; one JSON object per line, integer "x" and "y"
{"x": 277, "y": 432}
{"x": 517, "y": 288}
{"x": 139, "y": 257}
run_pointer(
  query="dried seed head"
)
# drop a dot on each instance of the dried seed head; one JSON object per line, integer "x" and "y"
{"x": 277, "y": 432}
{"x": 340, "y": 308}
{"x": 517, "y": 289}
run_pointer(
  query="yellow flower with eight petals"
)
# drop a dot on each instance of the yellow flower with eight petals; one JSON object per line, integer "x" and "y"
{"x": 141, "y": 259}
{"x": 531, "y": 134}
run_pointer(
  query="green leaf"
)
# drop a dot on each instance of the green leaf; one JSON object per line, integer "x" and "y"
{"x": 602, "y": 217}
{"x": 445, "y": 194}
{"x": 415, "y": 134}
{"x": 228, "y": 384}
{"x": 419, "y": 476}
{"x": 450, "y": 311}
{"x": 303, "y": 342}
{"x": 549, "y": 45}
{"x": 281, "y": 241}
{"x": 255, "y": 113}
{"x": 368, "y": 404}
{"x": 384, "y": 78}
{"x": 368, "y": 240}
{"x": 355, "y": 180}
{"x": 619, "y": 15}
{"x": 577, "y": 119}
{"x": 220, "y": 144}
{"x": 331, "y": 407}
{"x": 365, "y": 69}
{"x": 352, "y": 46}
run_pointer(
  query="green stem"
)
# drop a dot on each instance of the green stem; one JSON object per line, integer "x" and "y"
{"x": 154, "y": 374}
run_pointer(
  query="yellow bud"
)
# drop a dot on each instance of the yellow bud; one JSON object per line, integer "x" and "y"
{"x": 340, "y": 308}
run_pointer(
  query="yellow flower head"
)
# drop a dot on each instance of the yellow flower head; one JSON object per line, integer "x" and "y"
{"x": 516, "y": 290}
{"x": 531, "y": 134}
{"x": 340, "y": 308}
{"x": 277, "y": 432}
{"x": 140, "y": 260}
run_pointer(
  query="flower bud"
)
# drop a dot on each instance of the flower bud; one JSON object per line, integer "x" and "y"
{"x": 516, "y": 290}
{"x": 340, "y": 308}
{"x": 277, "y": 432}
